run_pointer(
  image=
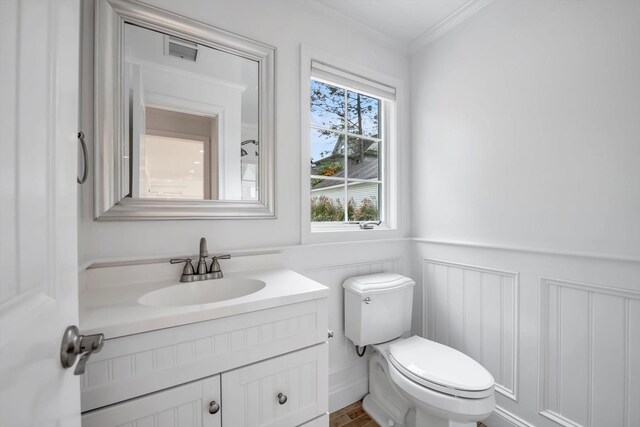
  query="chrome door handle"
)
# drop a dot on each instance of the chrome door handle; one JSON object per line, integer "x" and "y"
{"x": 85, "y": 157}
{"x": 214, "y": 407}
{"x": 74, "y": 345}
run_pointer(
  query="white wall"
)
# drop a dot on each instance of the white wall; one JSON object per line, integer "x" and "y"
{"x": 285, "y": 25}
{"x": 525, "y": 126}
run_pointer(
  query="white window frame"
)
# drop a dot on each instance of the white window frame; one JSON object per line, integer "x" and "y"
{"x": 318, "y": 232}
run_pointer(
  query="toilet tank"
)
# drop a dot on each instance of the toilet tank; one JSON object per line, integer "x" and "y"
{"x": 377, "y": 307}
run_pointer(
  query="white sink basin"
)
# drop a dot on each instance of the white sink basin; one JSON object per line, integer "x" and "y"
{"x": 205, "y": 292}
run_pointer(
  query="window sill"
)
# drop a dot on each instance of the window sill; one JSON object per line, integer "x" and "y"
{"x": 327, "y": 233}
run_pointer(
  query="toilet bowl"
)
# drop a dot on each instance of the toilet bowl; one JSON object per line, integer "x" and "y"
{"x": 413, "y": 382}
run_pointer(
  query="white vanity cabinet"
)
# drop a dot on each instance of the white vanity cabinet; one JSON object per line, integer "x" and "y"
{"x": 171, "y": 376}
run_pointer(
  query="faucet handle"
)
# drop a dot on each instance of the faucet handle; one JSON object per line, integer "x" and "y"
{"x": 188, "y": 267}
{"x": 215, "y": 267}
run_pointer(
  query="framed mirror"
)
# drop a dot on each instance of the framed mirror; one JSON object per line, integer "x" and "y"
{"x": 184, "y": 118}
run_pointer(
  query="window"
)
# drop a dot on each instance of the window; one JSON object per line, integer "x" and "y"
{"x": 350, "y": 142}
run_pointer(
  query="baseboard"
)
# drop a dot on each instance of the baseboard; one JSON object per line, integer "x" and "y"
{"x": 350, "y": 389}
{"x": 503, "y": 418}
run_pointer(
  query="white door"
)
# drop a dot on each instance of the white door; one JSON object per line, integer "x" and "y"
{"x": 39, "y": 51}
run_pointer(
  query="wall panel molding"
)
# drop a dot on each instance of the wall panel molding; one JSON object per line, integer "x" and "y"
{"x": 475, "y": 310}
{"x": 528, "y": 249}
{"x": 508, "y": 418}
{"x": 588, "y": 339}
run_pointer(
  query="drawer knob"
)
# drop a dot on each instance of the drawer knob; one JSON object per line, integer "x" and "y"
{"x": 282, "y": 398}
{"x": 214, "y": 407}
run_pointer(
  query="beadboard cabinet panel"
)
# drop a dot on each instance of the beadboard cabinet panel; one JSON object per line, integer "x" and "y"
{"x": 183, "y": 406}
{"x": 139, "y": 364}
{"x": 253, "y": 391}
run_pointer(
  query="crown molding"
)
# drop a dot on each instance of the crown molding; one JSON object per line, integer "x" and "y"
{"x": 378, "y": 36}
{"x": 458, "y": 16}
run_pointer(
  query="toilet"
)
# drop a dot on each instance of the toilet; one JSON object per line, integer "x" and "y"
{"x": 413, "y": 382}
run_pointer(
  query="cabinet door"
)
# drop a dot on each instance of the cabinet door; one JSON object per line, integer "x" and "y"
{"x": 183, "y": 406}
{"x": 322, "y": 421}
{"x": 251, "y": 393}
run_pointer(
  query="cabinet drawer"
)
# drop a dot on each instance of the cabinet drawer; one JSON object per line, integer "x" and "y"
{"x": 251, "y": 392}
{"x": 140, "y": 364}
{"x": 184, "y": 406}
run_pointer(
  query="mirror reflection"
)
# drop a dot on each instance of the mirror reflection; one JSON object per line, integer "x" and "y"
{"x": 191, "y": 118}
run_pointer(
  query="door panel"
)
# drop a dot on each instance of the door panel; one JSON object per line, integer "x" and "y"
{"x": 39, "y": 46}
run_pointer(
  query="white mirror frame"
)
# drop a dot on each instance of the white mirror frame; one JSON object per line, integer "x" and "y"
{"x": 109, "y": 201}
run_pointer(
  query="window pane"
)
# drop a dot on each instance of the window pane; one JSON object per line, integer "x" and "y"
{"x": 327, "y": 200}
{"x": 364, "y": 161}
{"x": 363, "y": 114}
{"x": 327, "y": 153}
{"x": 327, "y": 106}
{"x": 364, "y": 201}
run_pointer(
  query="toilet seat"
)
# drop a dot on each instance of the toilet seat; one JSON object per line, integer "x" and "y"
{"x": 440, "y": 368}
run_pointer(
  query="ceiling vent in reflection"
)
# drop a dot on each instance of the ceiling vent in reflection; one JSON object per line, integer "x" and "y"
{"x": 179, "y": 48}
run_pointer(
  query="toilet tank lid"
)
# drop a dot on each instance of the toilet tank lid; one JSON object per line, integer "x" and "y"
{"x": 381, "y": 282}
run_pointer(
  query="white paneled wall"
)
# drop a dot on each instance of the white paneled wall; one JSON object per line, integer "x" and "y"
{"x": 524, "y": 154}
{"x": 559, "y": 333}
{"x": 348, "y": 373}
{"x": 474, "y": 310}
{"x": 589, "y": 354}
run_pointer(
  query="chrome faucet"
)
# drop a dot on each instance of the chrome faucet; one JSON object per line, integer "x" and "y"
{"x": 202, "y": 260}
{"x": 202, "y": 273}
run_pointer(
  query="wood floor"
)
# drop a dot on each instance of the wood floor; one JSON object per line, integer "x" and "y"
{"x": 354, "y": 416}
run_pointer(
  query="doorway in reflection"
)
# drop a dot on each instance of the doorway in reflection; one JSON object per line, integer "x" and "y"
{"x": 177, "y": 156}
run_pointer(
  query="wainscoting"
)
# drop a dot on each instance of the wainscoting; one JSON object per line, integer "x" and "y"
{"x": 474, "y": 310}
{"x": 559, "y": 333}
{"x": 348, "y": 373}
{"x": 589, "y": 348}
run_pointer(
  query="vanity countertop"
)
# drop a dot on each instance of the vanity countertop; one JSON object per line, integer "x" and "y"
{"x": 115, "y": 310}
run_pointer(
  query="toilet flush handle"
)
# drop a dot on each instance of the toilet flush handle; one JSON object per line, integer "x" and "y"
{"x": 367, "y": 300}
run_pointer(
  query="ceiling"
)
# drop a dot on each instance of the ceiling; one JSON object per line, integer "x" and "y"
{"x": 402, "y": 20}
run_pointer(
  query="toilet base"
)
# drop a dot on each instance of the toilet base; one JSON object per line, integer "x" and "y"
{"x": 423, "y": 419}
{"x": 414, "y": 418}
{"x": 374, "y": 409}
